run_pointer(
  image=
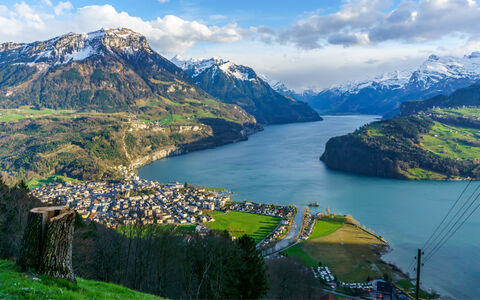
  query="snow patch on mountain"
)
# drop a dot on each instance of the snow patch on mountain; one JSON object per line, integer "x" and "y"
{"x": 434, "y": 70}
{"x": 199, "y": 66}
{"x": 74, "y": 47}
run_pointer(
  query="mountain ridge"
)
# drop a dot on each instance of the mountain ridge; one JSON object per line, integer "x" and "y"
{"x": 87, "y": 105}
{"x": 384, "y": 94}
{"x": 238, "y": 84}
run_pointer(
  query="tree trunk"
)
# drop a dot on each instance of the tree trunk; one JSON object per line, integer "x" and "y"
{"x": 47, "y": 242}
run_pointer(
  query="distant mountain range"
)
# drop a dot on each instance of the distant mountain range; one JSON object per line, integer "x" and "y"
{"x": 384, "y": 94}
{"x": 240, "y": 85}
{"x": 468, "y": 96}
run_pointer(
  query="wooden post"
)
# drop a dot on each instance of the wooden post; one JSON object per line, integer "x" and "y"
{"x": 47, "y": 242}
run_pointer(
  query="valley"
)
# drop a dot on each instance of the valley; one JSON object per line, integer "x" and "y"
{"x": 239, "y": 149}
{"x": 115, "y": 108}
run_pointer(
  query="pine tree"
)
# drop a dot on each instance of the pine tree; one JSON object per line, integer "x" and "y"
{"x": 252, "y": 274}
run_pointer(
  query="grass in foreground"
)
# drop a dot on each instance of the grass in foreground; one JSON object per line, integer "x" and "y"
{"x": 17, "y": 285}
{"x": 239, "y": 223}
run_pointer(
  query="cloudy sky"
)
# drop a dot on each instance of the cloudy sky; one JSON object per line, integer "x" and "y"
{"x": 306, "y": 44}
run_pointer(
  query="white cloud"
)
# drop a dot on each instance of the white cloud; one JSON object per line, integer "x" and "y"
{"x": 63, "y": 7}
{"x": 163, "y": 1}
{"x": 366, "y": 22}
{"x": 168, "y": 34}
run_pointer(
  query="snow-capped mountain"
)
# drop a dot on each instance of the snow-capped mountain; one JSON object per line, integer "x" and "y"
{"x": 196, "y": 67}
{"x": 238, "y": 84}
{"x": 281, "y": 87}
{"x": 108, "y": 69}
{"x": 75, "y": 47}
{"x": 384, "y": 93}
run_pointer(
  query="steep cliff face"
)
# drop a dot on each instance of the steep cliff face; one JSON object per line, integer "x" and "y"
{"x": 240, "y": 85}
{"x": 352, "y": 154}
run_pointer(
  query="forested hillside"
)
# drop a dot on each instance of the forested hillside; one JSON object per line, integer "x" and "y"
{"x": 439, "y": 144}
{"x": 88, "y": 105}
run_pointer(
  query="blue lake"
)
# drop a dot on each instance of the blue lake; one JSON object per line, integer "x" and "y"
{"x": 281, "y": 165}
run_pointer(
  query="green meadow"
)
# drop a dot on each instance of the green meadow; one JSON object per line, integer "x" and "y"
{"x": 17, "y": 285}
{"x": 39, "y": 182}
{"x": 239, "y": 223}
{"x": 452, "y": 141}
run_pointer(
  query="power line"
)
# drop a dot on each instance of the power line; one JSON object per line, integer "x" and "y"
{"x": 447, "y": 227}
{"x": 434, "y": 251}
{"x": 411, "y": 266}
{"x": 446, "y": 216}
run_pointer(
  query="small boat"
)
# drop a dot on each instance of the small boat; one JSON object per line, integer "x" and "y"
{"x": 315, "y": 204}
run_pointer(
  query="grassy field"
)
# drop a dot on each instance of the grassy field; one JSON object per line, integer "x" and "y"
{"x": 39, "y": 182}
{"x": 16, "y": 285}
{"x": 322, "y": 228}
{"x": 451, "y": 141}
{"x": 11, "y": 115}
{"x": 423, "y": 174}
{"x": 460, "y": 111}
{"x": 351, "y": 253}
{"x": 239, "y": 223}
{"x": 325, "y": 227}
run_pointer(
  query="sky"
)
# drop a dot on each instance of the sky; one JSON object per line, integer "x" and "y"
{"x": 307, "y": 44}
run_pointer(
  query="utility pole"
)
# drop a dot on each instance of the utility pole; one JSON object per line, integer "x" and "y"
{"x": 419, "y": 265}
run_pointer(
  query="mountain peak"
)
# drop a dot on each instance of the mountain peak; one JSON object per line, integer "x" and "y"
{"x": 73, "y": 47}
{"x": 195, "y": 67}
{"x": 436, "y": 75}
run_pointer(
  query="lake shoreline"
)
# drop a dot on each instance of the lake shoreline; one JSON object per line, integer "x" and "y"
{"x": 280, "y": 166}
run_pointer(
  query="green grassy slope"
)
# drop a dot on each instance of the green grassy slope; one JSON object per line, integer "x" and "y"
{"x": 435, "y": 145}
{"x": 239, "y": 223}
{"x": 17, "y": 285}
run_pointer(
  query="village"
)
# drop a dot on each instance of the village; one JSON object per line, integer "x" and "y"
{"x": 134, "y": 201}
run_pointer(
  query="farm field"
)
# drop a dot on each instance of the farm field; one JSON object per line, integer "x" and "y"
{"x": 16, "y": 285}
{"x": 452, "y": 141}
{"x": 471, "y": 111}
{"x": 16, "y": 114}
{"x": 352, "y": 253}
{"x": 239, "y": 223}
